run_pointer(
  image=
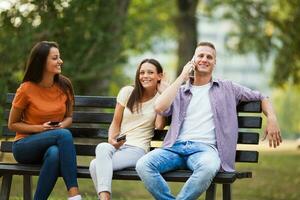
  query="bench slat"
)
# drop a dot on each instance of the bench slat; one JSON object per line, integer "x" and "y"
{"x": 83, "y": 101}
{"x": 249, "y": 122}
{"x": 77, "y": 132}
{"x": 106, "y": 118}
{"x": 95, "y": 101}
{"x": 126, "y": 174}
{"x": 110, "y": 102}
{"x": 248, "y": 138}
{"x": 253, "y": 107}
{"x": 159, "y": 135}
{"x": 84, "y": 117}
{"x": 243, "y": 137}
{"x": 89, "y": 150}
{"x": 246, "y": 156}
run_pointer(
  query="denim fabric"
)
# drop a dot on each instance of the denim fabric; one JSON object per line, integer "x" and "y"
{"x": 53, "y": 149}
{"x": 201, "y": 158}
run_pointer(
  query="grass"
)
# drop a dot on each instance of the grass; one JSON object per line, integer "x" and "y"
{"x": 275, "y": 177}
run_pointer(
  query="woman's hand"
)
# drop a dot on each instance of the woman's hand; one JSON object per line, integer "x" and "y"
{"x": 163, "y": 84}
{"x": 116, "y": 144}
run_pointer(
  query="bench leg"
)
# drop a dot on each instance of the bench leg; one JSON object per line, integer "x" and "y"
{"x": 211, "y": 192}
{"x": 27, "y": 187}
{"x": 5, "y": 187}
{"x": 226, "y": 191}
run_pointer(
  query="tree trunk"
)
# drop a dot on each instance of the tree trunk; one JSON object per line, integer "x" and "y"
{"x": 186, "y": 24}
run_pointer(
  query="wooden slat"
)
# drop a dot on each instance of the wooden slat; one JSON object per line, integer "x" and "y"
{"x": 81, "y": 149}
{"x": 159, "y": 135}
{"x": 248, "y": 138}
{"x": 89, "y": 150}
{"x": 6, "y": 146}
{"x": 246, "y": 156}
{"x": 88, "y": 117}
{"x": 253, "y": 107}
{"x": 243, "y": 137}
{"x": 249, "y": 122}
{"x": 126, "y": 174}
{"x": 95, "y": 101}
{"x": 83, "y": 101}
{"x": 77, "y": 132}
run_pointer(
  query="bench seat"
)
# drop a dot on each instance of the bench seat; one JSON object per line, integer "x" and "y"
{"x": 92, "y": 116}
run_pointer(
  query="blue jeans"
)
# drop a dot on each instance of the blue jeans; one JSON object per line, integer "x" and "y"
{"x": 201, "y": 158}
{"x": 53, "y": 149}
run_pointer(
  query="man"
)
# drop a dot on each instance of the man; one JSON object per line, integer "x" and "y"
{"x": 204, "y": 128}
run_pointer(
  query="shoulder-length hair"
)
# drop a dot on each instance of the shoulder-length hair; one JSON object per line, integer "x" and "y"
{"x": 135, "y": 98}
{"x": 35, "y": 65}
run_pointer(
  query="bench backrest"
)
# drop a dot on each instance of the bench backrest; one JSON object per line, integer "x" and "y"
{"x": 93, "y": 114}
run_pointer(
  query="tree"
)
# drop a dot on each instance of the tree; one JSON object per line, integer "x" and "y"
{"x": 186, "y": 24}
{"x": 268, "y": 28}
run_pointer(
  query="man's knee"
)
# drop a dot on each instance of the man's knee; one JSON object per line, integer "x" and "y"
{"x": 210, "y": 168}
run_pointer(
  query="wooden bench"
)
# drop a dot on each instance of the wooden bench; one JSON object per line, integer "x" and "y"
{"x": 92, "y": 116}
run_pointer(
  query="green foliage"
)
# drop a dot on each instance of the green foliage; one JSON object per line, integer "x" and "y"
{"x": 268, "y": 28}
{"x": 95, "y": 37}
{"x": 287, "y": 104}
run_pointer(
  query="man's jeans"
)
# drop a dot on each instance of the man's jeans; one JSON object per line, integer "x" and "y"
{"x": 201, "y": 158}
{"x": 55, "y": 151}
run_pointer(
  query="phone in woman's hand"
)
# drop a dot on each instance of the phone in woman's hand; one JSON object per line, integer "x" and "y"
{"x": 54, "y": 123}
{"x": 120, "y": 138}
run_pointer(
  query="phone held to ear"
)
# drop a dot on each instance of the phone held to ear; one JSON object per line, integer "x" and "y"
{"x": 192, "y": 70}
{"x": 121, "y": 137}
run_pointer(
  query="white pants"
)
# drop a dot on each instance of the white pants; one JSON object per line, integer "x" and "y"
{"x": 109, "y": 159}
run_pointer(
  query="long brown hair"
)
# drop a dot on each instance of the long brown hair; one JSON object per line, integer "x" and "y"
{"x": 36, "y": 64}
{"x": 138, "y": 91}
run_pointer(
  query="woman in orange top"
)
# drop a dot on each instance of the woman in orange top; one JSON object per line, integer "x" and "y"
{"x": 40, "y": 112}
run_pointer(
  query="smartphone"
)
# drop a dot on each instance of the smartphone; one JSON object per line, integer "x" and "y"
{"x": 120, "y": 138}
{"x": 54, "y": 123}
{"x": 192, "y": 70}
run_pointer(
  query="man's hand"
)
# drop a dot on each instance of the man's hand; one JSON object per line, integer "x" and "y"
{"x": 272, "y": 131}
{"x": 186, "y": 70}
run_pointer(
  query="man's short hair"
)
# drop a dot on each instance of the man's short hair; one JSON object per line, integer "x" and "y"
{"x": 207, "y": 44}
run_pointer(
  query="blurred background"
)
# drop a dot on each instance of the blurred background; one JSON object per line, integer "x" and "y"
{"x": 103, "y": 41}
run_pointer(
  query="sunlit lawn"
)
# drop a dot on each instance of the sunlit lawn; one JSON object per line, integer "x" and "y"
{"x": 276, "y": 177}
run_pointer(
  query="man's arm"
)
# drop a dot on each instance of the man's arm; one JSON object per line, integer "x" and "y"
{"x": 272, "y": 130}
{"x": 164, "y": 101}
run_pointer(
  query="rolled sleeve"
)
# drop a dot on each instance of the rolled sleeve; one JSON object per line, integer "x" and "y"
{"x": 246, "y": 94}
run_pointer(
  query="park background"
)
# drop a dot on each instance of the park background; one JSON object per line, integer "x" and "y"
{"x": 103, "y": 41}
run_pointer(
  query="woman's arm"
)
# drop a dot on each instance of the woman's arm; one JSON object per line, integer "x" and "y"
{"x": 164, "y": 101}
{"x": 15, "y": 123}
{"x": 66, "y": 122}
{"x": 115, "y": 126}
{"x": 160, "y": 122}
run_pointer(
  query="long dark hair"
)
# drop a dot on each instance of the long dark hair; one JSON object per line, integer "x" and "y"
{"x": 138, "y": 91}
{"x": 36, "y": 64}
